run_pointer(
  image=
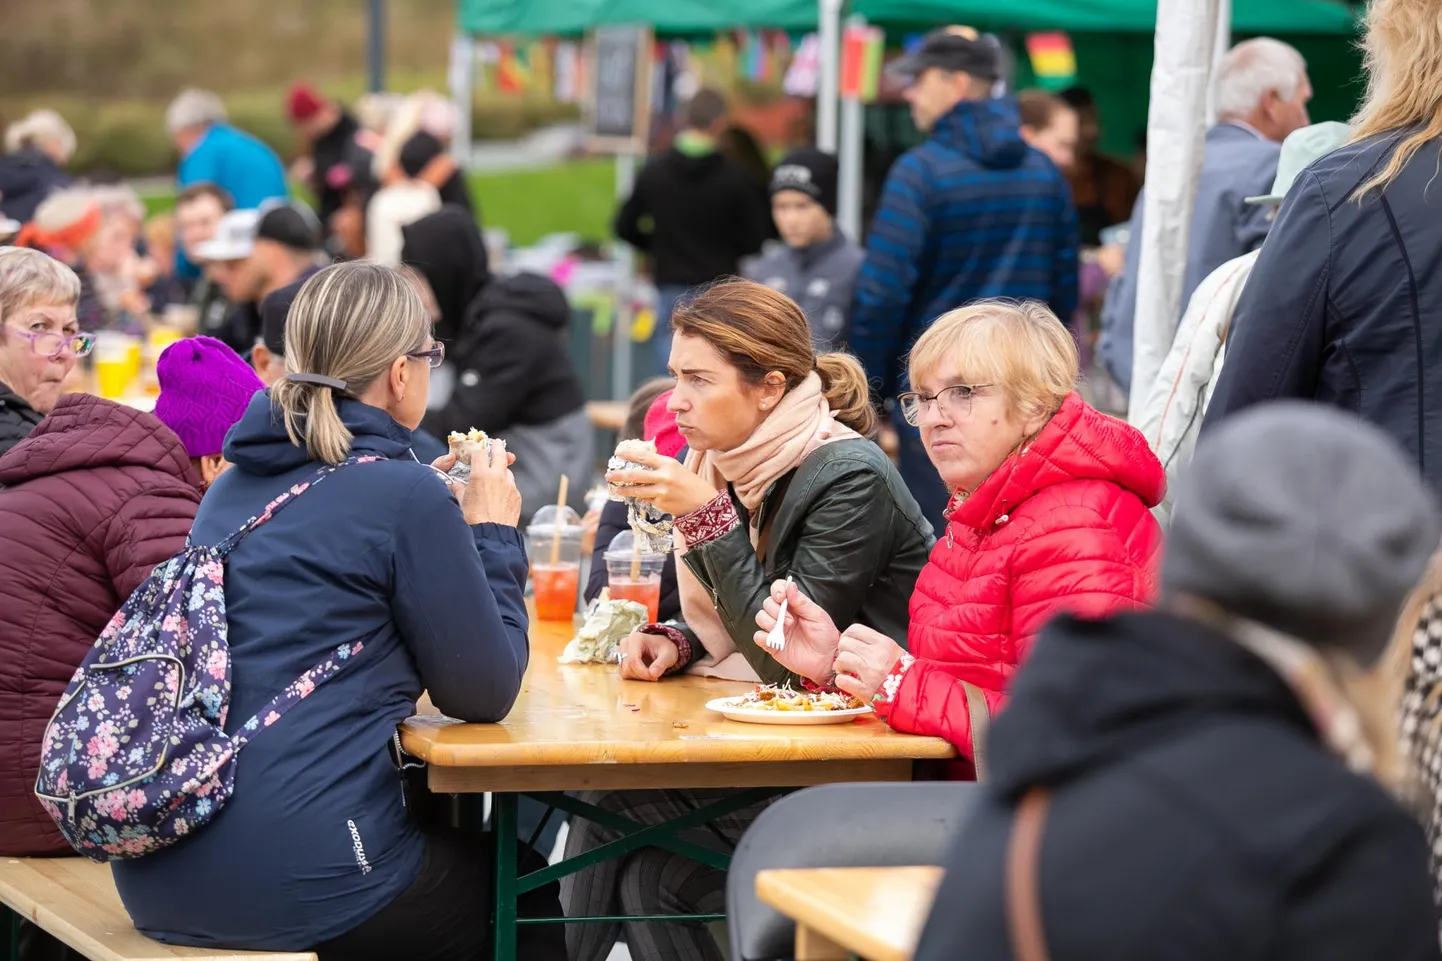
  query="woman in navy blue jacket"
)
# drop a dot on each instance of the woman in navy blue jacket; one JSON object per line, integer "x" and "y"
{"x": 315, "y": 850}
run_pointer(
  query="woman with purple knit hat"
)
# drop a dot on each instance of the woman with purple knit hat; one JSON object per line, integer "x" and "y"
{"x": 204, "y": 389}
{"x": 98, "y": 494}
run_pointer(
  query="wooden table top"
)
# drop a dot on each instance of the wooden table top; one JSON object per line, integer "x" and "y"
{"x": 608, "y": 414}
{"x": 873, "y": 913}
{"x": 577, "y": 714}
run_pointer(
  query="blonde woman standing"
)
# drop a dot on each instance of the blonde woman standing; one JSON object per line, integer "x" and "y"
{"x": 1341, "y": 307}
{"x": 315, "y": 851}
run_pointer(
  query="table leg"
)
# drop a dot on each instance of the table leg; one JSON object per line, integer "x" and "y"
{"x": 811, "y": 945}
{"x": 507, "y": 891}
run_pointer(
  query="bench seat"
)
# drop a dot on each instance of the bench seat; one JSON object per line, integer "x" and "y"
{"x": 75, "y": 900}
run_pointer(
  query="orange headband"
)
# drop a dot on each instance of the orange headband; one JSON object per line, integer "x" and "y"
{"x": 72, "y": 235}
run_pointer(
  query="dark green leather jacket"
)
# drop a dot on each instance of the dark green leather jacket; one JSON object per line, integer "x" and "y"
{"x": 845, "y": 528}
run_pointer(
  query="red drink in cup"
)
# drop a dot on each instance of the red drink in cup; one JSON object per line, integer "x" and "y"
{"x": 634, "y": 574}
{"x": 556, "y": 588}
{"x": 553, "y": 541}
{"x": 644, "y": 590}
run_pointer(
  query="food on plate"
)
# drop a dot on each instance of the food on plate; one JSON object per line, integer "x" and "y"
{"x": 776, "y": 697}
{"x": 651, "y": 525}
{"x": 465, "y": 444}
{"x": 601, "y": 633}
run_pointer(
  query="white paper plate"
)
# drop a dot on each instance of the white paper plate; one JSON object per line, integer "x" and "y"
{"x": 750, "y": 715}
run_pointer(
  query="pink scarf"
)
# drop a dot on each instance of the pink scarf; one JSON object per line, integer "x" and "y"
{"x": 801, "y": 423}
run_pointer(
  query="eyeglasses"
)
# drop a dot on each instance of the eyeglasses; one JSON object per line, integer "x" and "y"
{"x": 434, "y": 356}
{"x": 47, "y": 343}
{"x": 954, "y": 402}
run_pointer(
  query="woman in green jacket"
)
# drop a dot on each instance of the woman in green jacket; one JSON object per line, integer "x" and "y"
{"x": 781, "y": 480}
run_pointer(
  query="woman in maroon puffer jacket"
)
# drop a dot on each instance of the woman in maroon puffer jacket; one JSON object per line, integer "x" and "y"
{"x": 1051, "y": 514}
{"x": 90, "y": 502}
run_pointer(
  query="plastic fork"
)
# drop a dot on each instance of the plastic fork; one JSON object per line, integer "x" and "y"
{"x": 776, "y": 640}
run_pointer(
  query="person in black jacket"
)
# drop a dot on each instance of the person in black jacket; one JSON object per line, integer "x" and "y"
{"x": 705, "y": 213}
{"x": 1187, "y": 770}
{"x": 325, "y": 132}
{"x": 37, "y": 148}
{"x": 507, "y": 372}
{"x": 1341, "y": 307}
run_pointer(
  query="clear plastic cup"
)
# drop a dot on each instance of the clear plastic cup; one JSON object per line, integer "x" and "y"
{"x": 634, "y": 575}
{"x": 113, "y": 364}
{"x": 554, "y": 546}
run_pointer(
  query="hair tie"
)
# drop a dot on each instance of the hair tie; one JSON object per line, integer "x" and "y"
{"x": 318, "y": 379}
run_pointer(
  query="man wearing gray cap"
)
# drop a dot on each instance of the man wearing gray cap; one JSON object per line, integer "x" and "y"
{"x": 1177, "y": 783}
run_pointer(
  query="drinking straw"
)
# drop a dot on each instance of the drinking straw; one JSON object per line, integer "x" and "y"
{"x": 636, "y": 559}
{"x": 560, "y": 514}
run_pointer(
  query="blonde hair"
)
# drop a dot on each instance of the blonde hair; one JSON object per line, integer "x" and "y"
{"x": 349, "y": 322}
{"x": 30, "y": 278}
{"x": 1403, "y": 58}
{"x": 1021, "y": 347}
{"x": 159, "y": 231}
{"x": 759, "y": 330}
{"x": 40, "y": 127}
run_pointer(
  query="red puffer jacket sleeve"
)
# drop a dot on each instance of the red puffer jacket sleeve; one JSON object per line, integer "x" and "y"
{"x": 149, "y": 529}
{"x": 1081, "y": 566}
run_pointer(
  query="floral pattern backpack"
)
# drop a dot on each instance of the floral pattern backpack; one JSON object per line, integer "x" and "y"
{"x": 136, "y": 755}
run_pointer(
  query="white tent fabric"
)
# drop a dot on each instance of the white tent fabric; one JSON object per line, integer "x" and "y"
{"x": 1188, "y": 34}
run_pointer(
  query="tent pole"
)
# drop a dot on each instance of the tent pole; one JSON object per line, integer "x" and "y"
{"x": 1176, "y": 132}
{"x": 625, "y": 287}
{"x": 376, "y": 45}
{"x": 1219, "y": 50}
{"x": 828, "y": 73}
{"x": 463, "y": 80}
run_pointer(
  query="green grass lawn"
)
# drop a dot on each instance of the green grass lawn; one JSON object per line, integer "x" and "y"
{"x": 577, "y": 196}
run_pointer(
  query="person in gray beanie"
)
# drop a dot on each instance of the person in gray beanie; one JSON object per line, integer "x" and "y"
{"x": 1202, "y": 781}
{"x": 816, "y": 264}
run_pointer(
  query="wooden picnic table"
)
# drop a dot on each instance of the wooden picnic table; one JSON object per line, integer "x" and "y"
{"x": 581, "y": 727}
{"x": 872, "y": 913}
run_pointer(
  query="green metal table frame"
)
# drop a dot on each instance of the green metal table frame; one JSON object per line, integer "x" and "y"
{"x": 510, "y": 884}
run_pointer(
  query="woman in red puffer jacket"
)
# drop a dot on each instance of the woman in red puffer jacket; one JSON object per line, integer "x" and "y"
{"x": 1051, "y": 514}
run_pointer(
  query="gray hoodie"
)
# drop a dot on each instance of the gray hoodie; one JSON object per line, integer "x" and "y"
{"x": 821, "y": 278}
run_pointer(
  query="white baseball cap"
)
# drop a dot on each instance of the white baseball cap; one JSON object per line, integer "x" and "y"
{"x": 234, "y": 237}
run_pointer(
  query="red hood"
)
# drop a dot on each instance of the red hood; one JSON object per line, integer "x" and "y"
{"x": 85, "y": 432}
{"x": 1078, "y": 443}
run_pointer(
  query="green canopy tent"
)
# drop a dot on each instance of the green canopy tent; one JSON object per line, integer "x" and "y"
{"x": 1110, "y": 16}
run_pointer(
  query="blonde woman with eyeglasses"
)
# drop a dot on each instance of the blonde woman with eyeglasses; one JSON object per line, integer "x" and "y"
{"x": 1049, "y": 514}
{"x": 315, "y": 851}
{"x": 1343, "y": 303}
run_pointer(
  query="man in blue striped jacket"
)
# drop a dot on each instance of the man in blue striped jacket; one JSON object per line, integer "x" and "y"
{"x": 972, "y": 213}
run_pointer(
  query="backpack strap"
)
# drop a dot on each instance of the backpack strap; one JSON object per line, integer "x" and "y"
{"x": 295, "y": 692}
{"x": 286, "y": 497}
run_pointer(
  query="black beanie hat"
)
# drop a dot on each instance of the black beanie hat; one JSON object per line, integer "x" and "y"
{"x": 811, "y": 172}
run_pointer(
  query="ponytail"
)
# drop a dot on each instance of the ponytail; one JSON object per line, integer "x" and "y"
{"x": 312, "y": 420}
{"x": 843, "y": 380}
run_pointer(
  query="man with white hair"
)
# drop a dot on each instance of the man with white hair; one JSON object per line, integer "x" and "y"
{"x": 1261, "y": 92}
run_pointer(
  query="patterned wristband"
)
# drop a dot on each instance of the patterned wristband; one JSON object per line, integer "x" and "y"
{"x": 679, "y": 638}
{"x": 705, "y": 524}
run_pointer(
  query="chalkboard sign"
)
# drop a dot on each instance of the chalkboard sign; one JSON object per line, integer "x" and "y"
{"x": 621, "y": 88}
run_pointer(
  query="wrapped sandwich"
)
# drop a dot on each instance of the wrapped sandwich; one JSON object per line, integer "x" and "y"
{"x": 601, "y": 634}
{"x": 651, "y": 525}
{"x": 466, "y": 445}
